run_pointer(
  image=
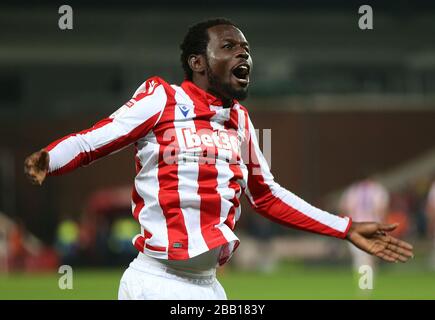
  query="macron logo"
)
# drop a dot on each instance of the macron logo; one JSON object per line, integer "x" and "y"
{"x": 184, "y": 110}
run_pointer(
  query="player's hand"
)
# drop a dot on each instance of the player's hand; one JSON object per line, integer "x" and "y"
{"x": 374, "y": 239}
{"x": 36, "y": 166}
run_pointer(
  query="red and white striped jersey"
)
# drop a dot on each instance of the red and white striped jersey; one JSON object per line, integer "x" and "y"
{"x": 194, "y": 160}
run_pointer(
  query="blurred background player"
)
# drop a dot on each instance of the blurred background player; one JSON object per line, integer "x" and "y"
{"x": 366, "y": 200}
{"x": 430, "y": 212}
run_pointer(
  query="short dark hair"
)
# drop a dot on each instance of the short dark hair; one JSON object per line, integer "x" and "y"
{"x": 196, "y": 40}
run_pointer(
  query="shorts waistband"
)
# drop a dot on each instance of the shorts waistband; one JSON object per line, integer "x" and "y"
{"x": 148, "y": 264}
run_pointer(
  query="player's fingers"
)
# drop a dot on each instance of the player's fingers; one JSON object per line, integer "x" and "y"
{"x": 27, "y": 165}
{"x": 37, "y": 177}
{"x": 401, "y": 243}
{"x": 395, "y": 242}
{"x": 385, "y": 257}
{"x": 399, "y": 250}
{"x": 37, "y": 181}
{"x": 392, "y": 254}
{"x": 399, "y": 246}
{"x": 30, "y": 173}
{"x": 388, "y": 227}
{"x": 31, "y": 162}
{"x": 33, "y": 177}
{"x": 403, "y": 258}
{"x": 396, "y": 256}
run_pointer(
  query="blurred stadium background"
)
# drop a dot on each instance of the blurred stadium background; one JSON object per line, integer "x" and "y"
{"x": 342, "y": 103}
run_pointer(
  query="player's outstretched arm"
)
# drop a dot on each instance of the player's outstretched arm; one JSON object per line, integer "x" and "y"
{"x": 122, "y": 128}
{"x": 374, "y": 239}
{"x": 36, "y": 166}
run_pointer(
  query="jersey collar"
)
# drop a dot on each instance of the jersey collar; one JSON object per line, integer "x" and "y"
{"x": 193, "y": 89}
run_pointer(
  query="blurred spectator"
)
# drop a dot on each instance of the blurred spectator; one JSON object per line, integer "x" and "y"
{"x": 416, "y": 196}
{"x": 17, "y": 249}
{"x": 366, "y": 200}
{"x": 67, "y": 241}
{"x": 399, "y": 213}
{"x": 122, "y": 231}
{"x": 5, "y": 225}
{"x": 44, "y": 259}
{"x": 24, "y": 252}
{"x": 430, "y": 211}
{"x": 89, "y": 250}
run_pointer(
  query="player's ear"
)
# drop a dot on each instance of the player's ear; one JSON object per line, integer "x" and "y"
{"x": 197, "y": 63}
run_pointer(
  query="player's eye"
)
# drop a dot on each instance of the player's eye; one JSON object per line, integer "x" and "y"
{"x": 228, "y": 46}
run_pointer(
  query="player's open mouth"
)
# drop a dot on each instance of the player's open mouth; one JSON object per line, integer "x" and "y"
{"x": 241, "y": 73}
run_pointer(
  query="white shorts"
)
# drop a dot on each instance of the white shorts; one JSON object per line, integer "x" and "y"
{"x": 148, "y": 279}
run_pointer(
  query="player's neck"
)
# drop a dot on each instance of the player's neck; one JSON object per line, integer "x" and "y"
{"x": 204, "y": 85}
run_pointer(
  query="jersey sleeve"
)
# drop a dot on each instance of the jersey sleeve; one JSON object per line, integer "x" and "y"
{"x": 278, "y": 204}
{"x": 125, "y": 126}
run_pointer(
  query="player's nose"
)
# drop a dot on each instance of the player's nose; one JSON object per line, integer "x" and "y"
{"x": 242, "y": 54}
